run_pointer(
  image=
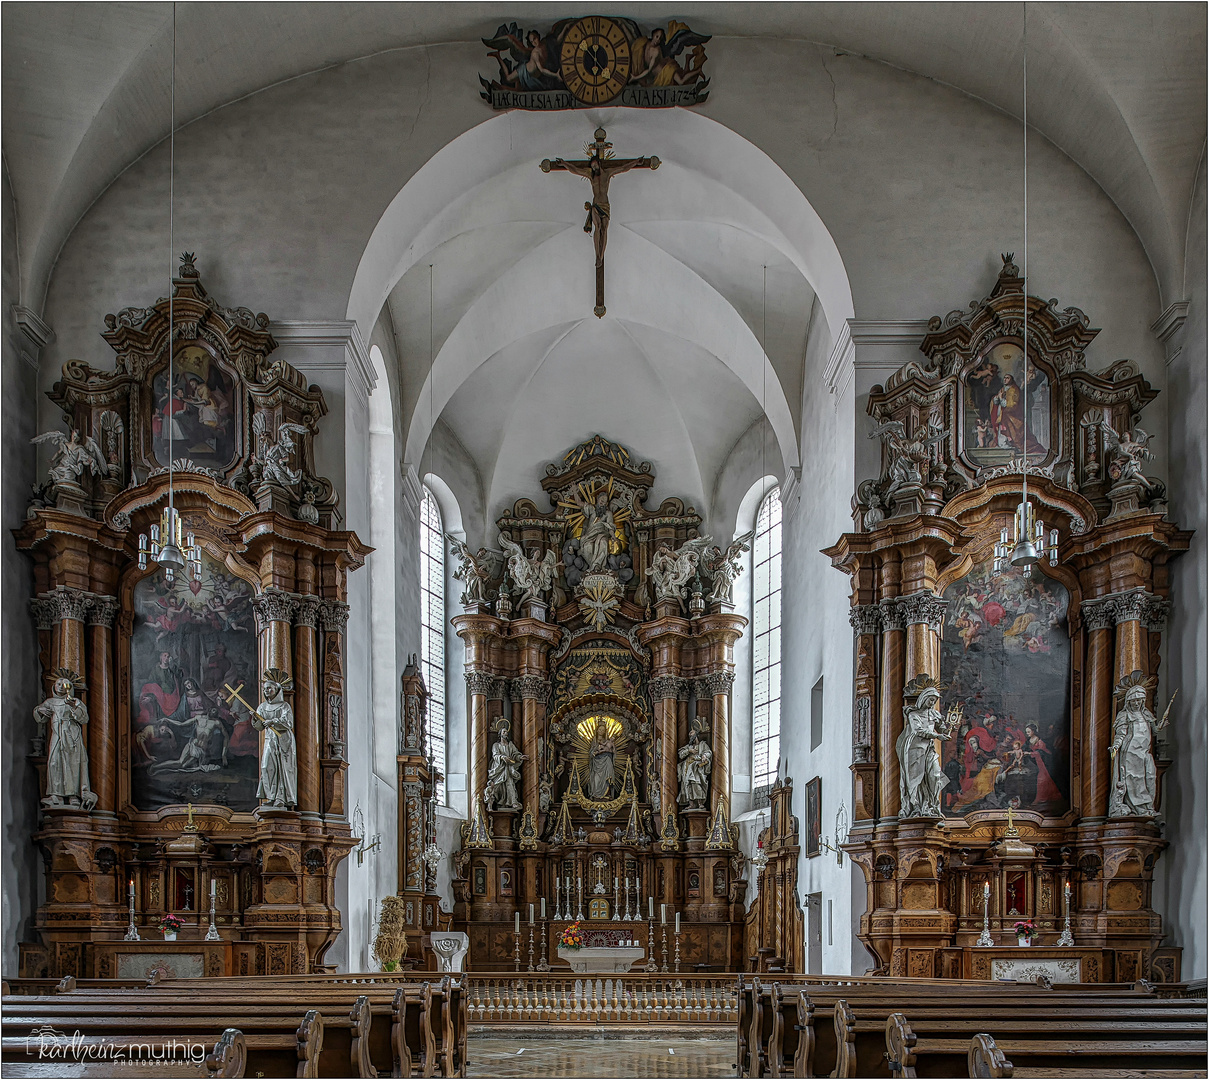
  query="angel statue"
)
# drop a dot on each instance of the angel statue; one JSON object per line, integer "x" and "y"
{"x": 534, "y": 575}
{"x": 724, "y": 568}
{"x": 273, "y": 455}
{"x": 1126, "y": 451}
{"x": 504, "y": 773}
{"x": 67, "y": 752}
{"x": 475, "y": 571}
{"x": 672, "y": 570}
{"x": 73, "y": 454}
{"x": 907, "y": 456}
{"x": 921, "y": 779}
{"x": 1134, "y": 781}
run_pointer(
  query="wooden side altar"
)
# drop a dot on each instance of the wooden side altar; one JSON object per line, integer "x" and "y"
{"x": 1051, "y": 667}
{"x": 599, "y": 665}
{"x": 165, "y": 673}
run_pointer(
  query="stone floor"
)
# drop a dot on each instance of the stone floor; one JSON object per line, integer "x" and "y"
{"x": 558, "y": 1055}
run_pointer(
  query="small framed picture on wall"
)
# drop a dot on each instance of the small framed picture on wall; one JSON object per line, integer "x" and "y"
{"x": 814, "y": 816}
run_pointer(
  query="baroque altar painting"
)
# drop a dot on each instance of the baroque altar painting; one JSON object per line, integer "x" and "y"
{"x": 994, "y": 407}
{"x": 1005, "y": 658}
{"x": 198, "y": 410}
{"x": 188, "y": 743}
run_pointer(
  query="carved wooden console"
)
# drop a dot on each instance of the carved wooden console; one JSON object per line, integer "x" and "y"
{"x": 599, "y": 664}
{"x": 173, "y": 758}
{"x": 776, "y": 925}
{"x": 1034, "y": 659}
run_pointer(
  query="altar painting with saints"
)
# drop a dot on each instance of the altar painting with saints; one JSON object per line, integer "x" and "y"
{"x": 190, "y": 639}
{"x": 994, "y": 399}
{"x": 1005, "y": 658}
{"x": 197, "y": 410}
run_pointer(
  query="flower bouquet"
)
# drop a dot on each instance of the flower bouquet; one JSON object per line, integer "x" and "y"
{"x": 572, "y": 937}
{"x": 1024, "y": 932}
{"x": 170, "y": 925}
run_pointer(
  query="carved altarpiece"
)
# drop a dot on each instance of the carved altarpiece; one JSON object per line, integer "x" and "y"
{"x": 600, "y": 651}
{"x": 1033, "y": 659}
{"x": 776, "y": 924}
{"x": 176, "y": 810}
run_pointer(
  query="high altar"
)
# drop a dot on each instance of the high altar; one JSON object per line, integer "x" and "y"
{"x": 600, "y": 720}
{"x": 159, "y": 678}
{"x": 1039, "y": 802}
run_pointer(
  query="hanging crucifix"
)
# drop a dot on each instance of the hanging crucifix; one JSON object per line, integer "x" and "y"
{"x": 598, "y": 169}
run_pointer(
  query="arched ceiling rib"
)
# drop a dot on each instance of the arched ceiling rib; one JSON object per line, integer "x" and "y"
{"x": 1120, "y": 88}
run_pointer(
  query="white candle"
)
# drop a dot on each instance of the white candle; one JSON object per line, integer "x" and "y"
{"x": 663, "y": 914}
{"x": 543, "y": 907}
{"x": 530, "y": 914}
{"x": 677, "y": 922}
{"x": 213, "y": 888}
{"x": 132, "y": 888}
{"x": 614, "y": 883}
{"x": 651, "y": 906}
{"x": 518, "y": 923}
{"x": 986, "y": 889}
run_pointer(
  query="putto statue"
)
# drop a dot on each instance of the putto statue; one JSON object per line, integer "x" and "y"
{"x": 534, "y": 576}
{"x": 723, "y": 568}
{"x": 279, "y": 759}
{"x": 693, "y": 772}
{"x": 504, "y": 774}
{"x": 67, "y": 750}
{"x": 74, "y": 454}
{"x": 1134, "y": 780}
{"x": 921, "y": 779}
{"x": 672, "y": 570}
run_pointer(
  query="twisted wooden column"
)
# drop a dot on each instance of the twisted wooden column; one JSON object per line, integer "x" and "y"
{"x": 307, "y": 707}
{"x": 890, "y": 709}
{"x": 720, "y": 683}
{"x": 274, "y": 616}
{"x": 533, "y": 692}
{"x": 665, "y": 689}
{"x": 479, "y": 684}
{"x": 102, "y": 710}
{"x": 1099, "y": 617}
{"x": 67, "y": 609}
{"x": 923, "y": 613}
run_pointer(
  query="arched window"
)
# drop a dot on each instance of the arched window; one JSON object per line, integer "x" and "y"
{"x": 766, "y": 642}
{"x": 432, "y": 628}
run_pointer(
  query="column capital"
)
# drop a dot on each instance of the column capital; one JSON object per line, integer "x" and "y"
{"x": 63, "y": 603}
{"x": 720, "y": 682}
{"x": 924, "y": 608}
{"x": 893, "y": 617}
{"x": 333, "y": 616}
{"x": 665, "y": 687}
{"x": 481, "y": 682}
{"x": 273, "y": 605}
{"x": 531, "y": 688}
{"x": 1133, "y": 605}
{"x": 103, "y": 610}
{"x": 1098, "y": 613}
{"x": 865, "y": 618}
{"x": 306, "y": 610}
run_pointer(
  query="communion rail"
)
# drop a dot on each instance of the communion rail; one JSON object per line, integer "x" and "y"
{"x": 639, "y": 998}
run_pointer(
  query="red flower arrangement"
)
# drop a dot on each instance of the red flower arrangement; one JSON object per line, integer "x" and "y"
{"x": 1025, "y": 929}
{"x": 572, "y": 937}
{"x": 170, "y": 924}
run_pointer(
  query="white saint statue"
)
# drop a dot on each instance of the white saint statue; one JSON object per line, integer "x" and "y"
{"x": 601, "y": 768}
{"x": 279, "y": 758}
{"x": 504, "y": 773}
{"x": 921, "y": 779}
{"x": 1134, "y": 779}
{"x": 599, "y": 530}
{"x": 693, "y": 772}
{"x": 67, "y": 752}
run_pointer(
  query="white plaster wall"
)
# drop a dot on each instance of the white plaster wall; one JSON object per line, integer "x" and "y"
{"x": 1180, "y": 882}
{"x": 21, "y": 878}
{"x": 817, "y": 640}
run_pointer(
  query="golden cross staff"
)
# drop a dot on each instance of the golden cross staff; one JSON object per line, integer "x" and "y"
{"x": 234, "y": 695}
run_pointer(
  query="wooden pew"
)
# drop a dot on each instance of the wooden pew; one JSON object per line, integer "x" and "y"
{"x": 1093, "y": 1045}
{"x": 986, "y": 1059}
{"x": 286, "y": 1043}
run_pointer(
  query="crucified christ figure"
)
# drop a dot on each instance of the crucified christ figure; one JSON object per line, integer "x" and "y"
{"x": 598, "y": 169}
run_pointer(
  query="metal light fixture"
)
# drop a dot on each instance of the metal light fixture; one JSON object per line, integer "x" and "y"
{"x": 759, "y": 858}
{"x": 1024, "y": 545}
{"x": 168, "y": 545}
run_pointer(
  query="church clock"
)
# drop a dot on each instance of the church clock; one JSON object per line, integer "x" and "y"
{"x": 595, "y": 59}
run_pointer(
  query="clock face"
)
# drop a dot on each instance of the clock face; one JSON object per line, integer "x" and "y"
{"x": 595, "y": 60}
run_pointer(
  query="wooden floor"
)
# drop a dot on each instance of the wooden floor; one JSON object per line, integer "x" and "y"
{"x": 597, "y": 1056}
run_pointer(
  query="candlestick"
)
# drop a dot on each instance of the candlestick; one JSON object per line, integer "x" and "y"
{"x": 132, "y": 933}
{"x": 664, "y": 968}
{"x": 516, "y": 942}
{"x": 530, "y": 941}
{"x": 627, "y": 916}
{"x": 580, "y": 913}
{"x": 616, "y": 905}
{"x": 543, "y": 964}
{"x": 985, "y": 941}
{"x": 650, "y": 945}
{"x": 1066, "y": 938}
{"x": 212, "y": 933}
{"x": 557, "y": 891}
{"x": 677, "y": 944}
